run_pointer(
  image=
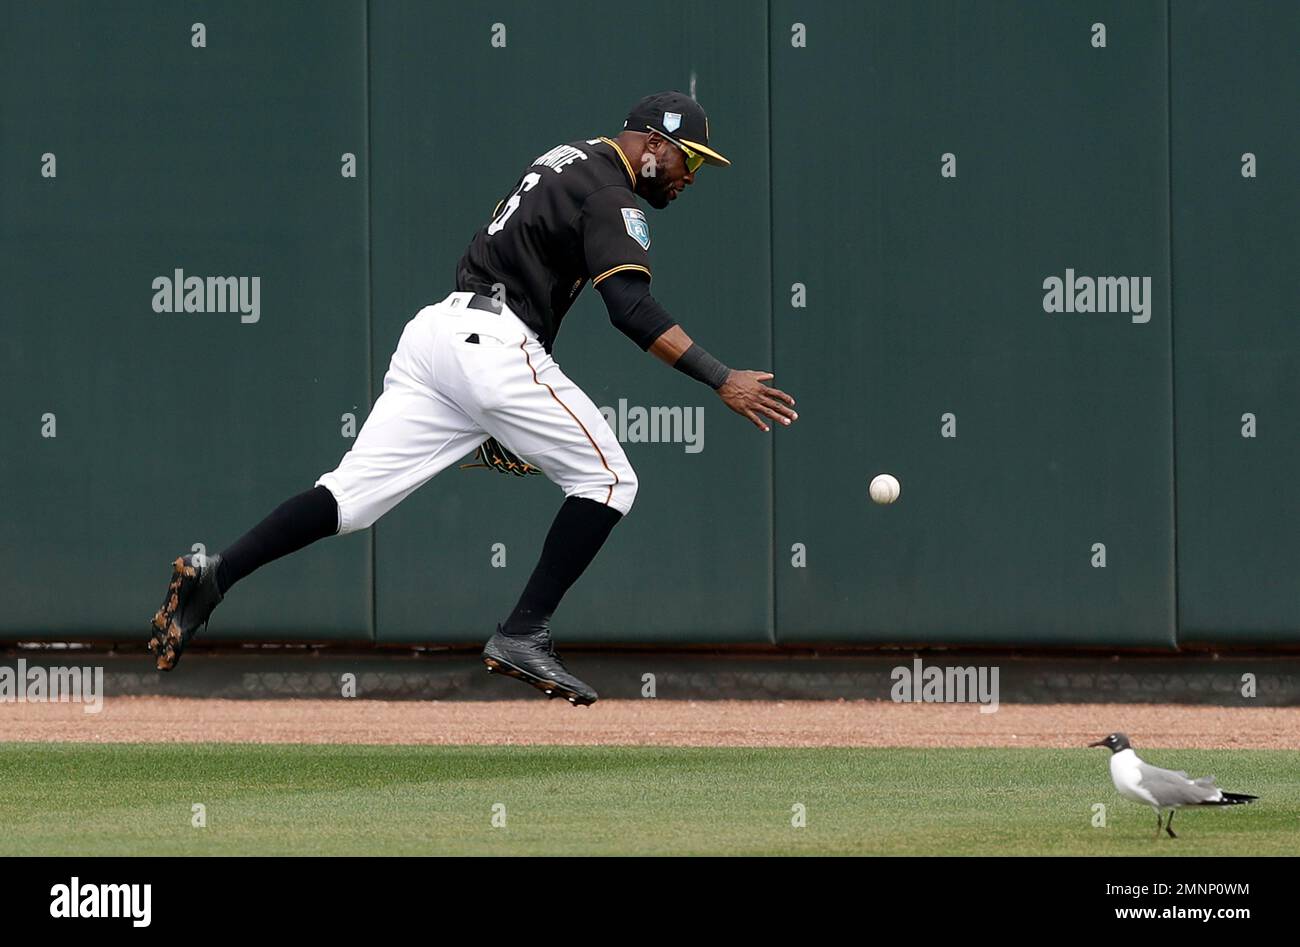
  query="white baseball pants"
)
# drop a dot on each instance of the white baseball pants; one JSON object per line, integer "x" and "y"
{"x": 443, "y": 396}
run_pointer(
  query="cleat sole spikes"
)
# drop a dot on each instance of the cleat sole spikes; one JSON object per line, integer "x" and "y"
{"x": 550, "y": 688}
{"x": 167, "y": 640}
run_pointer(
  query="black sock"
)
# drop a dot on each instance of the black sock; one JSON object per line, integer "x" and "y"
{"x": 580, "y": 529}
{"x": 297, "y": 522}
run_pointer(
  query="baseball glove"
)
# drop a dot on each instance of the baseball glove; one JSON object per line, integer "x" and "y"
{"x": 494, "y": 456}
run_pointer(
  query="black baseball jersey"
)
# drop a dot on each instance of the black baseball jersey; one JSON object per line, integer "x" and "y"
{"x": 571, "y": 217}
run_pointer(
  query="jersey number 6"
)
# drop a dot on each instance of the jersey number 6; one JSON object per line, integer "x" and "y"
{"x": 530, "y": 181}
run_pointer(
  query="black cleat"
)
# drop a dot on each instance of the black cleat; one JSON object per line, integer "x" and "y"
{"x": 191, "y": 596}
{"x": 533, "y": 660}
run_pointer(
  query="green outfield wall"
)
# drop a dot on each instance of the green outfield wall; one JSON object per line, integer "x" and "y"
{"x": 1036, "y": 260}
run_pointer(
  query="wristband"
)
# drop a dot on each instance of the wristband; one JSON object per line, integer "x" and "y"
{"x": 700, "y": 365}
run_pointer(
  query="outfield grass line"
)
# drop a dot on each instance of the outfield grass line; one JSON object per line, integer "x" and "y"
{"x": 365, "y": 799}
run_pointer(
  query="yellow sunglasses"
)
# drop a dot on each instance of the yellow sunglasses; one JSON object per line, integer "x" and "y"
{"x": 694, "y": 160}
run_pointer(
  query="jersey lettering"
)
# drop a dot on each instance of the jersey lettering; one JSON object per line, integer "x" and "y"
{"x": 558, "y": 157}
{"x": 530, "y": 182}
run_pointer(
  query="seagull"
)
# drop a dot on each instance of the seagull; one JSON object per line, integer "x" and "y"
{"x": 1161, "y": 788}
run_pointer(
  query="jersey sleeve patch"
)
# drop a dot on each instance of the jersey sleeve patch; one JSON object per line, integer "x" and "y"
{"x": 609, "y": 217}
{"x": 638, "y": 228}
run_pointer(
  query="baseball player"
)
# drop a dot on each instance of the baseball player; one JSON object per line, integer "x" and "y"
{"x": 475, "y": 372}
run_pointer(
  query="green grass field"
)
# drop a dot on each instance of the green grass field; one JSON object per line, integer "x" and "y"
{"x": 79, "y": 799}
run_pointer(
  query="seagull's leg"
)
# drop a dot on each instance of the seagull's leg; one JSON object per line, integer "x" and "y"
{"x": 1169, "y": 824}
{"x": 1158, "y": 823}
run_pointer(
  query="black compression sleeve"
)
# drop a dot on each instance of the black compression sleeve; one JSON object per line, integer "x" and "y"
{"x": 632, "y": 309}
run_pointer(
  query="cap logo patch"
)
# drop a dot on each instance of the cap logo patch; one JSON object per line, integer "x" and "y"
{"x": 637, "y": 227}
{"x": 672, "y": 121}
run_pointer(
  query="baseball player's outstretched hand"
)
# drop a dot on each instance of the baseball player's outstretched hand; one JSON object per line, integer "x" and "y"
{"x": 745, "y": 393}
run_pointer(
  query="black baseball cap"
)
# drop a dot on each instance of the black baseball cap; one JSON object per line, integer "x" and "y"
{"x": 679, "y": 118}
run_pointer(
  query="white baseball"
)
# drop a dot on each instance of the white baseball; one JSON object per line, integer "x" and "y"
{"x": 885, "y": 488}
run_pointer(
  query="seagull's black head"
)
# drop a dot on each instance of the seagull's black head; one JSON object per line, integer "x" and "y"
{"x": 1115, "y": 742}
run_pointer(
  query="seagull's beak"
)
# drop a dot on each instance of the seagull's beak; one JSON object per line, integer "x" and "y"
{"x": 1098, "y": 743}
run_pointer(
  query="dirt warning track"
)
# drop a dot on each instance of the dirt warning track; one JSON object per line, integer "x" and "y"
{"x": 648, "y": 723}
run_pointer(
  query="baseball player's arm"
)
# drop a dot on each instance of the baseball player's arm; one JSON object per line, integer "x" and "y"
{"x": 632, "y": 310}
{"x": 638, "y": 315}
{"x": 742, "y": 391}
